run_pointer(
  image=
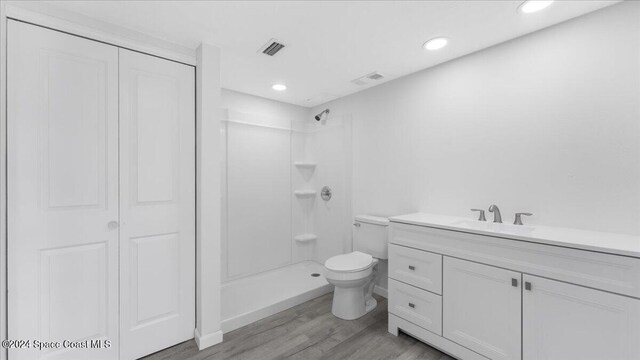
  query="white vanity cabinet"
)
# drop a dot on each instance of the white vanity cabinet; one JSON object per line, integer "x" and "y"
{"x": 564, "y": 321}
{"x": 482, "y": 308}
{"x": 506, "y": 299}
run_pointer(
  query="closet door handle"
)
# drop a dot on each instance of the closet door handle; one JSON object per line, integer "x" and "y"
{"x": 112, "y": 225}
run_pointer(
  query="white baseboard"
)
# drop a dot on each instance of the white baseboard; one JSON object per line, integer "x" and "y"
{"x": 381, "y": 291}
{"x": 208, "y": 339}
{"x": 271, "y": 309}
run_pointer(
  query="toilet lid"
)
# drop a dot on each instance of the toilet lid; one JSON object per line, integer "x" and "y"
{"x": 354, "y": 261}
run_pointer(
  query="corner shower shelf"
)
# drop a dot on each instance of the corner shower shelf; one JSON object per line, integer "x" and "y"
{"x": 305, "y": 193}
{"x": 303, "y": 238}
{"x": 304, "y": 165}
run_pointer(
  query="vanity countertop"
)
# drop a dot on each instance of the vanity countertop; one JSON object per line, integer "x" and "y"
{"x": 611, "y": 243}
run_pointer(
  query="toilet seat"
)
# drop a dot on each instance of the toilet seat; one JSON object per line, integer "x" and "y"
{"x": 351, "y": 262}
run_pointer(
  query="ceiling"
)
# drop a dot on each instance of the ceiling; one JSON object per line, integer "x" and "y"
{"x": 328, "y": 43}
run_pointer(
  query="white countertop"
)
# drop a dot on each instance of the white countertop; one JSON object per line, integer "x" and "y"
{"x": 611, "y": 243}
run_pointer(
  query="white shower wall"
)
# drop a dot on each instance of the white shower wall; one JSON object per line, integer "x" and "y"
{"x": 261, "y": 215}
{"x": 330, "y": 148}
{"x": 257, "y": 203}
{"x": 258, "y": 197}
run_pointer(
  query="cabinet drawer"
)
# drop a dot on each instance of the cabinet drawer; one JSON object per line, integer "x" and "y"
{"x": 416, "y": 305}
{"x": 416, "y": 267}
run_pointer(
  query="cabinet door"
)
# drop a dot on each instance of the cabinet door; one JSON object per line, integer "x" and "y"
{"x": 157, "y": 204}
{"x": 62, "y": 191}
{"x": 563, "y": 321}
{"x": 482, "y": 308}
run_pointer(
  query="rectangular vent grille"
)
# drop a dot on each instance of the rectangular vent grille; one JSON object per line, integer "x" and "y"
{"x": 368, "y": 79}
{"x": 271, "y": 47}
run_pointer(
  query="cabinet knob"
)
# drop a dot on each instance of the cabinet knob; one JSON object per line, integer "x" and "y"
{"x": 412, "y": 305}
{"x": 112, "y": 225}
{"x": 411, "y": 267}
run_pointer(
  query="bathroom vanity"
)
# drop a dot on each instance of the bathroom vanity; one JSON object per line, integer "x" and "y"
{"x": 479, "y": 290}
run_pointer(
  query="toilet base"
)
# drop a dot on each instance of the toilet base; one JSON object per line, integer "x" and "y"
{"x": 350, "y": 303}
{"x": 353, "y": 299}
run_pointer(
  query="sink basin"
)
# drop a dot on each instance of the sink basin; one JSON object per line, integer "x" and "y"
{"x": 501, "y": 228}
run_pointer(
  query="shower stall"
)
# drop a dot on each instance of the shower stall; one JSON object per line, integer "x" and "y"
{"x": 277, "y": 229}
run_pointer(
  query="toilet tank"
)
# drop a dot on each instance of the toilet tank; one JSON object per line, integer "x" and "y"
{"x": 370, "y": 235}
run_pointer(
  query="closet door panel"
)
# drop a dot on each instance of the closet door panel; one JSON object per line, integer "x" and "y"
{"x": 157, "y": 203}
{"x": 62, "y": 191}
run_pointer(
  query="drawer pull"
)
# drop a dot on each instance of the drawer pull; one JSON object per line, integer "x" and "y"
{"x": 412, "y": 305}
{"x": 411, "y": 267}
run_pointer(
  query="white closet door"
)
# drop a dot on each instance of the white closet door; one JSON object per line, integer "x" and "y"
{"x": 157, "y": 203}
{"x": 62, "y": 191}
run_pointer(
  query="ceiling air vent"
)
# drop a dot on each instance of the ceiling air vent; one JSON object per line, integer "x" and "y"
{"x": 367, "y": 79}
{"x": 271, "y": 47}
{"x": 375, "y": 76}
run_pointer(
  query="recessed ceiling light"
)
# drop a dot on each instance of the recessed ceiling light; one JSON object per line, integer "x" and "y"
{"x": 531, "y": 6}
{"x": 436, "y": 43}
{"x": 279, "y": 87}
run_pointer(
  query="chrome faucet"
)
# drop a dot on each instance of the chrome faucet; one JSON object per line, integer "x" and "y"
{"x": 518, "y": 219}
{"x": 497, "y": 218}
{"x": 481, "y": 214}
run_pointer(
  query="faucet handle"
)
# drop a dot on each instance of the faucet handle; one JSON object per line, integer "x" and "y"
{"x": 518, "y": 220}
{"x": 481, "y": 215}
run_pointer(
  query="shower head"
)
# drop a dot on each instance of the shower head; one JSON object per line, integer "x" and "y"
{"x": 324, "y": 113}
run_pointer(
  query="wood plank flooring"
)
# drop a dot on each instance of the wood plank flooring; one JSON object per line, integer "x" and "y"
{"x": 307, "y": 332}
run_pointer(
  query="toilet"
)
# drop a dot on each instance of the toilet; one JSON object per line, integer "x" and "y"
{"x": 354, "y": 274}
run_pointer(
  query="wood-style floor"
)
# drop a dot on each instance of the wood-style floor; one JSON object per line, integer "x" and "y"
{"x": 310, "y": 331}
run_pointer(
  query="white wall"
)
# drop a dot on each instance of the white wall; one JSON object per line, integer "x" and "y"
{"x": 267, "y": 112}
{"x": 208, "y": 197}
{"x": 547, "y": 123}
{"x": 3, "y": 164}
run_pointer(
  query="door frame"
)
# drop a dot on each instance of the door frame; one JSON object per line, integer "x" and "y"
{"x": 206, "y": 61}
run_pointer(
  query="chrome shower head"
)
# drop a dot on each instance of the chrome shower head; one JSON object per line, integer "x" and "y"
{"x": 319, "y": 116}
